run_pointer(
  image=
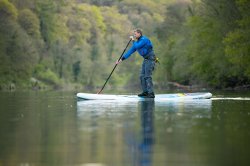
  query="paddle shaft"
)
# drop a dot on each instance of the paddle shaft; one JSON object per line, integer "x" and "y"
{"x": 114, "y": 67}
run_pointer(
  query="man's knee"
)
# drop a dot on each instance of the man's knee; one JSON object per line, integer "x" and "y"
{"x": 142, "y": 76}
{"x": 148, "y": 78}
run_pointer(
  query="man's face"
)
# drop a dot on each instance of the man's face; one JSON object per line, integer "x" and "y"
{"x": 137, "y": 35}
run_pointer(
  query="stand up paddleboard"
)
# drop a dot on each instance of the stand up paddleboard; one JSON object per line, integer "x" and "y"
{"x": 158, "y": 97}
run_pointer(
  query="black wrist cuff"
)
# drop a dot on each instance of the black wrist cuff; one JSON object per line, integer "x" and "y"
{"x": 123, "y": 58}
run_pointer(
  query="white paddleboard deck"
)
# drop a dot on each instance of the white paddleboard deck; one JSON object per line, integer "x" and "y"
{"x": 158, "y": 97}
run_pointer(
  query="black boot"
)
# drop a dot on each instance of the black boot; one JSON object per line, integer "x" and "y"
{"x": 143, "y": 94}
{"x": 150, "y": 95}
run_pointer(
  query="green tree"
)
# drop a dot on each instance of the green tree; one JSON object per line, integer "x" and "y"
{"x": 175, "y": 64}
{"x": 237, "y": 41}
{"x": 29, "y": 22}
{"x": 17, "y": 52}
{"x": 7, "y": 10}
{"x": 195, "y": 42}
{"x": 76, "y": 69}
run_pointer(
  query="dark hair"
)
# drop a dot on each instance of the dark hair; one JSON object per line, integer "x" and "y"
{"x": 138, "y": 31}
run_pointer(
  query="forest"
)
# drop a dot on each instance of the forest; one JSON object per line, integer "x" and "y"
{"x": 73, "y": 44}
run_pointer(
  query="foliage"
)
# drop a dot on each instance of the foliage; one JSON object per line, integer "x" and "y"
{"x": 46, "y": 75}
{"x": 203, "y": 42}
{"x": 7, "y": 9}
{"x": 29, "y": 22}
{"x": 237, "y": 42}
{"x": 17, "y": 52}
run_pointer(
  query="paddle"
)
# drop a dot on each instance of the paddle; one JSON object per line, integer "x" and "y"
{"x": 114, "y": 68}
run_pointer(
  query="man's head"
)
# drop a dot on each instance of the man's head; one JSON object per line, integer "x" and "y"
{"x": 137, "y": 33}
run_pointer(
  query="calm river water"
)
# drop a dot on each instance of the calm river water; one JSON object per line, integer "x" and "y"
{"x": 54, "y": 129}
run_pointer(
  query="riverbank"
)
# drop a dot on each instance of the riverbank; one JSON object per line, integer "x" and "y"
{"x": 170, "y": 86}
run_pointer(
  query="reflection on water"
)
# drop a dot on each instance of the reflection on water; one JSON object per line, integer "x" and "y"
{"x": 55, "y": 129}
{"x": 137, "y": 144}
{"x": 147, "y": 141}
{"x": 134, "y": 123}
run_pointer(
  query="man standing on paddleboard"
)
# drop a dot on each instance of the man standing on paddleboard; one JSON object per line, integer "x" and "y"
{"x": 145, "y": 48}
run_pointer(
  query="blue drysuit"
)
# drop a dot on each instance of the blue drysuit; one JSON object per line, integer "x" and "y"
{"x": 145, "y": 48}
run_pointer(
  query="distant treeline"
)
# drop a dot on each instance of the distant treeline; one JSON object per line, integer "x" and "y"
{"x": 60, "y": 43}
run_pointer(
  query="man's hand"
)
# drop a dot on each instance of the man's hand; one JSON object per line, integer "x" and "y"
{"x": 132, "y": 38}
{"x": 118, "y": 61}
